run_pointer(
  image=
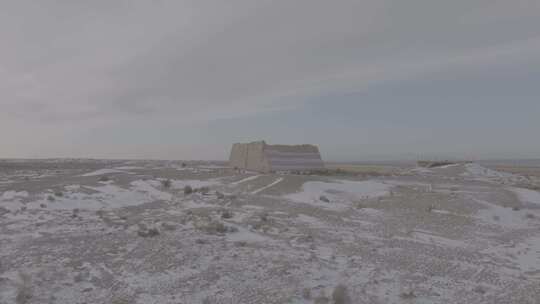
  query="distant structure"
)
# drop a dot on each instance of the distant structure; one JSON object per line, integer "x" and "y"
{"x": 261, "y": 157}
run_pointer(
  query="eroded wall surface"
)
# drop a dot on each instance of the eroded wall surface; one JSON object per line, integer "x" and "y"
{"x": 249, "y": 156}
{"x": 297, "y": 157}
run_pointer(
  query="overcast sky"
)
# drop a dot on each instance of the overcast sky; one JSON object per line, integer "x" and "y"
{"x": 363, "y": 79}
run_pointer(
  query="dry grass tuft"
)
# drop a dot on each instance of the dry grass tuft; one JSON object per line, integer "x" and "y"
{"x": 215, "y": 227}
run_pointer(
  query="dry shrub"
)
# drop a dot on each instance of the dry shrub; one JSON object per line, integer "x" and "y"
{"x": 220, "y": 195}
{"x": 24, "y": 288}
{"x": 360, "y": 205}
{"x": 166, "y": 183}
{"x": 306, "y": 294}
{"x": 203, "y": 190}
{"x": 263, "y": 217}
{"x": 188, "y": 190}
{"x": 227, "y": 214}
{"x": 407, "y": 295}
{"x": 340, "y": 295}
{"x": 322, "y": 298}
{"x": 240, "y": 244}
{"x": 120, "y": 300}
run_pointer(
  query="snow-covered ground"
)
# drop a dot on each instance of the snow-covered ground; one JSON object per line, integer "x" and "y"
{"x": 341, "y": 194}
{"x": 459, "y": 234}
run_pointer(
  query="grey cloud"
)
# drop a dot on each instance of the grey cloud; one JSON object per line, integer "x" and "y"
{"x": 86, "y": 63}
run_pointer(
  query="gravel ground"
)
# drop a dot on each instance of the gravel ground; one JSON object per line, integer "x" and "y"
{"x": 87, "y": 231}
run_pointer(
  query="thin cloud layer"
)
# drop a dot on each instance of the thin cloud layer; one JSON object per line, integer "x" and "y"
{"x": 88, "y": 64}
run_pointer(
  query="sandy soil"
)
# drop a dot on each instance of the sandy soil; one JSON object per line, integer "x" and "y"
{"x": 83, "y": 231}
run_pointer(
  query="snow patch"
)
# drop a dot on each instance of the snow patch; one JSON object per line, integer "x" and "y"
{"x": 148, "y": 188}
{"x": 11, "y": 195}
{"x": 103, "y": 172}
{"x": 527, "y": 196}
{"x": 480, "y": 173}
{"x": 341, "y": 193}
{"x": 498, "y": 215}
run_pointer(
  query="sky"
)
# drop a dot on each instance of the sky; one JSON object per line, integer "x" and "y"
{"x": 364, "y": 80}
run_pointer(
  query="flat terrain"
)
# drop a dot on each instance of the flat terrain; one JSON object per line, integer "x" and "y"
{"x": 85, "y": 231}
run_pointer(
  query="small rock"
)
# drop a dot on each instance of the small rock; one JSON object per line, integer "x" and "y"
{"x": 168, "y": 226}
{"x": 148, "y": 233}
{"x": 479, "y": 289}
{"x": 201, "y": 241}
{"x": 240, "y": 244}
{"x": 323, "y": 198}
